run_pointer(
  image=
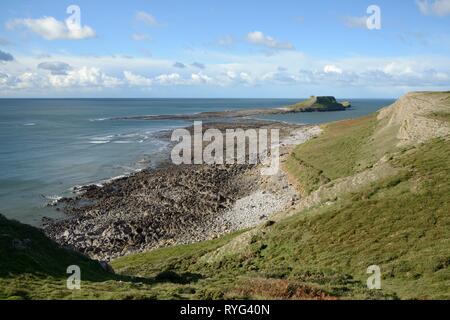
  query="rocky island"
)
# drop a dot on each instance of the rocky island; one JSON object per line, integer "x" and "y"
{"x": 319, "y": 104}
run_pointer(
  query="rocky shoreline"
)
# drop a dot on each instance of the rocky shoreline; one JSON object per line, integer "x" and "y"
{"x": 173, "y": 205}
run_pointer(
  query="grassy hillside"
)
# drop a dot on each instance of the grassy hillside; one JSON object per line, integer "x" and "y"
{"x": 399, "y": 221}
{"x": 34, "y": 267}
{"x": 342, "y": 150}
{"x": 401, "y": 224}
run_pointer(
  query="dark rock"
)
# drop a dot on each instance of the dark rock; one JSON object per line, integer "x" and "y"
{"x": 106, "y": 266}
{"x": 269, "y": 223}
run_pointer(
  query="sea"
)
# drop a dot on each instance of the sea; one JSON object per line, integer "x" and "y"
{"x": 50, "y": 146}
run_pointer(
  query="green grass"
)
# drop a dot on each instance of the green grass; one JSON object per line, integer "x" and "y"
{"x": 38, "y": 255}
{"x": 34, "y": 267}
{"x": 401, "y": 224}
{"x": 177, "y": 258}
{"x": 342, "y": 150}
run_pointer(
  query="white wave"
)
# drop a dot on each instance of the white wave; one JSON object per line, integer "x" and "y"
{"x": 53, "y": 199}
{"x": 101, "y": 140}
{"x": 103, "y": 182}
{"x": 98, "y": 119}
{"x": 29, "y": 124}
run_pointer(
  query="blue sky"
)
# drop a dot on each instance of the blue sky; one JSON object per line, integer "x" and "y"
{"x": 208, "y": 48}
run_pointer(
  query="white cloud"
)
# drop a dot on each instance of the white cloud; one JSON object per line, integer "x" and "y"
{"x": 259, "y": 38}
{"x": 84, "y": 77}
{"x": 169, "y": 79}
{"x": 306, "y": 74}
{"x": 231, "y": 74}
{"x": 396, "y": 68}
{"x": 5, "y": 80}
{"x": 329, "y": 68}
{"x": 231, "y": 77}
{"x": 434, "y": 7}
{"x": 146, "y": 18}
{"x": 133, "y": 79}
{"x": 355, "y": 22}
{"x": 23, "y": 81}
{"x": 200, "y": 78}
{"x": 137, "y": 80}
{"x": 282, "y": 77}
{"x": 141, "y": 37}
{"x": 51, "y": 29}
{"x": 244, "y": 76}
{"x": 27, "y": 80}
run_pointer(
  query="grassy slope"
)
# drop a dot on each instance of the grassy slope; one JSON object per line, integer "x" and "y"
{"x": 401, "y": 224}
{"x": 38, "y": 271}
{"x": 340, "y": 151}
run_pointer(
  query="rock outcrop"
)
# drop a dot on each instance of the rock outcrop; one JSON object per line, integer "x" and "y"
{"x": 319, "y": 104}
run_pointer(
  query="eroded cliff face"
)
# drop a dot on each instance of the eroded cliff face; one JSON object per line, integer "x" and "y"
{"x": 412, "y": 117}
